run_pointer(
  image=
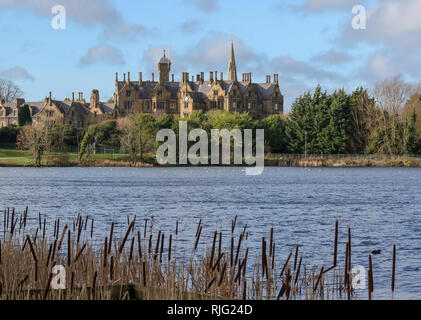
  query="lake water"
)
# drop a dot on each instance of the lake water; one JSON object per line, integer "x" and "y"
{"x": 381, "y": 205}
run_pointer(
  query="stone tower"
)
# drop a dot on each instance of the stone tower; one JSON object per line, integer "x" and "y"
{"x": 164, "y": 68}
{"x": 232, "y": 68}
{"x": 94, "y": 98}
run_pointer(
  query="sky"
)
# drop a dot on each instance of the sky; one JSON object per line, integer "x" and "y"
{"x": 307, "y": 42}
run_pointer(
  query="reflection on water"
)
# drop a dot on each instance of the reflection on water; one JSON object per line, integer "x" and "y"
{"x": 381, "y": 205}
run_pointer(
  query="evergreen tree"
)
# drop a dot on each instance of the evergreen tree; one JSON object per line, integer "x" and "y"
{"x": 412, "y": 141}
{"x": 24, "y": 115}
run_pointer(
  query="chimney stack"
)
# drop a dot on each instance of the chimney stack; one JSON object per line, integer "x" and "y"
{"x": 140, "y": 78}
{"x": 153, "y": 77}
{"x": 216, "y": 76}
{"x": 73, "y": 97}
{"x": 222, "y": 76}
{"x": 275, "y": 78}
{"x": 192, "y": 78}
{"x": 50, "y": 98}
{"x": 249, "y": 77}
{"x": 172, "y": 77}
{"x": 202, "y": 77}
{"x": 197, "y": 77}
{"x": 116, "y": 77}
{"x": 211, "y": 77}
{"x": 124, "y": 77}
{"x": 128, "y": 77}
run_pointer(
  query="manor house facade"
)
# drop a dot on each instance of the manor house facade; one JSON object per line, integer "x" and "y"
{"x": 156, "y": 97}
{"x": 164, "y": 95}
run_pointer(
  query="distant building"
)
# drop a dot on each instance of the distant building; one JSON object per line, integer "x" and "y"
{"x": 164, "y": 95}
{"x": 75, "y": 112}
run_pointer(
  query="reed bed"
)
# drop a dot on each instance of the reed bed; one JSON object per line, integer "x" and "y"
{"x": 143, "y": 263}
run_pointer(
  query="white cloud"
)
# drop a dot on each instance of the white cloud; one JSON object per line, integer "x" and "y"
{"x": 317, "y": 6}
{"x": 332, "y": 57}
{"x": 190, "y": 26}
{"x": 16, "y": 73}
{"x": 102, "y": 54}
{"x": 205, "y": 5}
{"x": 90, "y": 13}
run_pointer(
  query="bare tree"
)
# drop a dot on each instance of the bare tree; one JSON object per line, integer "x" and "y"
{"x": 391, "y": 96}
{"x": 129, "y": 137}
{"x": 37, "y": 138}
{"x": 9, "y": 91}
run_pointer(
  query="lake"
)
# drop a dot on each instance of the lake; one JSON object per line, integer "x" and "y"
{"x": 381, "y": 205}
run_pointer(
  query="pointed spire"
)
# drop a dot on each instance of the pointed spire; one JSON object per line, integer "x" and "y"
{"x": 232, "y": 68}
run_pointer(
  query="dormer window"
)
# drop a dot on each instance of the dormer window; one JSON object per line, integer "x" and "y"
{"x": 159, "y": 93}
{"x": 276, "y": 107}
{"x": 234, "y": 92}
{"x": 249, "y": 105}
{"x": 128, "y": 93}
{"x": 215, "y": 93}
{"x": 249, "y": 93}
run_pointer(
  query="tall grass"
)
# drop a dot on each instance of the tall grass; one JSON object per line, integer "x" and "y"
{"x": 143, "y": 263}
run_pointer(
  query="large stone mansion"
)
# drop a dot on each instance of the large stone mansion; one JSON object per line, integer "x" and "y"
{"x": 165, "y": 95}
{"x": 156, "y": 97}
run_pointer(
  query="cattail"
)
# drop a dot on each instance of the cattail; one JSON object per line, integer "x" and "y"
{"x": 139, "y": 245}
{"x": 162, "y": 247}
{"x": 72, "y": 278}
{"x": 298, "y": 270}
{"x": 233, "y": 223}
{"x": 157, "y": 245}
{"x": 111, "y": 268}
{"x": 111, "y": 238}
{"x": 219, "y": 246}
{"x": 125, "y": 237}
{"x": 104, "y": 263}
{"x": 393, "y": 269}
{"x": 238, "y": 249}
{"x": 264, "y": 262}
{"x": 49, "y": 254}
{"x": 212, "y": 250}
{"x": 80, "y": 252}
{"x": 296, "y": 256}
{"x": 69, "y": 248}
{"x": 346, "y": 265}
{"x": 144, "y": 273}
{"x": 34, "y": 255}
{"x": 169, "y": 248}
{"x": 217, "y": 261}
{"x": 222, "y": 274}
{"x": 370, "y": 278}
{"x": 94, "y": 283}
{"x": 210, "y": 284}
{"x": 48, "y": 286}
{"x": 92, "y": 227}
{"x": 197, "y": 238}
{"x": 318, "y": 279}
{"x": 131, "y": 250}
{"x": 62, "y": 237}
{"x": 335, "y": 253}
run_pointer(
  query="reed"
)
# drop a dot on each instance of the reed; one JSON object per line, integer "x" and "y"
{"x": 135, "y": 267}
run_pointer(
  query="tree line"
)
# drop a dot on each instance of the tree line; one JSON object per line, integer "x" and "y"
{"x": 385, "y": 120}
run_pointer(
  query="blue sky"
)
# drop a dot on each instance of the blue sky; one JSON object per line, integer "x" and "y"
{"x": 307, "y": 42}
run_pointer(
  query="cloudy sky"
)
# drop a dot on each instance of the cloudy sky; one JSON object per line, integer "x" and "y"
{"x": 306, "y": 41}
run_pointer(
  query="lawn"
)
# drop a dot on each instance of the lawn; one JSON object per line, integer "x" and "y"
{"x": 13, "y": 157}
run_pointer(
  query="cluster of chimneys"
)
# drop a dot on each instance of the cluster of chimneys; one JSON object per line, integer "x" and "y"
{"x": 246, "y": 77}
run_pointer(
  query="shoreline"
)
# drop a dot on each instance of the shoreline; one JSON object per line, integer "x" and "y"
{"x": 299, "y": 162}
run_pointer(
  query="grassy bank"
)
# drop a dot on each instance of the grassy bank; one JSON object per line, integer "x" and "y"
{"x": 145, "y": 263}
{"x": 22, "y": 158}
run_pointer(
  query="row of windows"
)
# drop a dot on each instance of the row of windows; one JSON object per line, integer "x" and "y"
{"x": 160, "y": 105}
